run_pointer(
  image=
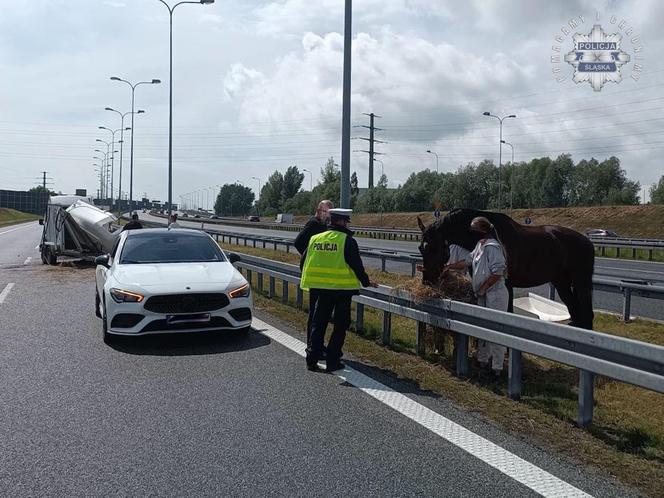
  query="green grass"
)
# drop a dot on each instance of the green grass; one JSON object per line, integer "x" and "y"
{"x": 640, "y": 254}
{"x": 13, "y": 217}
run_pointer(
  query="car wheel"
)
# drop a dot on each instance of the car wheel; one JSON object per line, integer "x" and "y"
{"x": 97, "y": 305}
{"x": 48, "y": 256}
{"x": 108, "y": 338}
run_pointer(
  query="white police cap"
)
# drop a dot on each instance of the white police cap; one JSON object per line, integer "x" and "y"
{"x": 341, "y": 213}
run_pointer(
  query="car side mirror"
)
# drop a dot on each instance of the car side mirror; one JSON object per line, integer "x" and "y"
{"x": 41, "y": 221}
{"x": 234, "y": 258}
{"x": 102, "y": 260}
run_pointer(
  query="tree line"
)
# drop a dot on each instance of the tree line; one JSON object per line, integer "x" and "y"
{"x": 539, "y": 183}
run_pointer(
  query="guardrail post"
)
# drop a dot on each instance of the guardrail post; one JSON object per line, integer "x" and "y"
{"x": 586, "y": 399}
{"x": 514, "y": 373}
{"x": 245, "y": 242}
{"x": 461, "y": 346}
{"x": 272, "y": 286}
{"x": 216, "y": 237}
{"x": 617, "y": 252}
{"x": 264, "y": 242}
{"x": 627, "y": 304}
{"x": 254, "y": 242}
{"x": 275, "y": 246}
{"x": 633, "y": 253}
{"x": 359, "y": 317}
{"x": 299, "y": 297}
{"x": 284, "y": 292}
{"x": 421, "y": 332}
{"x": 602, "y": 250}
{"x": 287, "y": 248}
{"x": 382, "y": 263}
{"x": 260, "y": 283}
{"x": 387, "y": 327}
{"x": 552, "y": 292}
{"x": 249, "y": 275}
{"x": 649, "y": 254}
{"x": 413, "y": 265}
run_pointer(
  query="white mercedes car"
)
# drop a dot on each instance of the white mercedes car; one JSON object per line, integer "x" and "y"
{"x": 179, "y": 280}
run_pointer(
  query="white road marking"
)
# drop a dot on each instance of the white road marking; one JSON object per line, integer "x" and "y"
{"x": 17, "y": 228}
{"x": 27, "y": 260}
{"x": 508, "y": 463}
{"x": 5, "y": 292}
{"x": 37, "y": 247}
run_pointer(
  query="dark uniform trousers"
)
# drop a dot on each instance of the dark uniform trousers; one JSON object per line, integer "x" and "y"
{"x": 337, "y": 301}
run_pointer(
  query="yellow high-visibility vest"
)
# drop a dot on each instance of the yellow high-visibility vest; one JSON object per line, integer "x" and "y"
{"x": 325, "y": 266}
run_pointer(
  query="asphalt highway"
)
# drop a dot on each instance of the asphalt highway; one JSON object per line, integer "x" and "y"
{"x": 222, "y": 415}
{"x": 612, "y": 269}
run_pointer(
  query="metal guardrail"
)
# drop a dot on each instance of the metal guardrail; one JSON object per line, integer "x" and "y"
{"x": 626, "y": 288}
{"x": 592, "y": 353}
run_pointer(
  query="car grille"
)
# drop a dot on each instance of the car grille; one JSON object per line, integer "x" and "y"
{"x": 186, "y": 303}
{"x": 216, "y": 322}
{"x": 240, "y": 314}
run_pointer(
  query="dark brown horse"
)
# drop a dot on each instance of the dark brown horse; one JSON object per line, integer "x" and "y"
{"x": 535, "y": 255}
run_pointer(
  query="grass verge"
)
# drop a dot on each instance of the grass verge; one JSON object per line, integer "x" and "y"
{"x": 638, "y": 254}
{"x": 13, "y": 217}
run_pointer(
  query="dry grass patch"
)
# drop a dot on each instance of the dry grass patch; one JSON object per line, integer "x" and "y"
{"x": 13, "y": 217}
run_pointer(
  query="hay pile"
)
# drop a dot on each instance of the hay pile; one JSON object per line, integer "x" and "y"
{"x": 453, "y": 285}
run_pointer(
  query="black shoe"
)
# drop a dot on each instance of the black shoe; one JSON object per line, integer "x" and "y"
{"x": 313, "y": 367}
{"x": 334, "y": 366}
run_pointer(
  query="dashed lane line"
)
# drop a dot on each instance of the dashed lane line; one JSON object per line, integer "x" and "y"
{"x": 5, "y": 292}
{"x": 508, "y": 463}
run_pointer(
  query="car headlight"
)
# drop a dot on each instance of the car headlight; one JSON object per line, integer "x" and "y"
{"x": 123, "y": 296}
{"x": 242, "y": 291}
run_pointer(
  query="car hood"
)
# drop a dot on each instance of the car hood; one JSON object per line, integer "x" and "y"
{"x": 177, "y": 275}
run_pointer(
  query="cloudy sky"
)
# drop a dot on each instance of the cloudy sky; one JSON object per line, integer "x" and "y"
{"x": 257, "y": 87}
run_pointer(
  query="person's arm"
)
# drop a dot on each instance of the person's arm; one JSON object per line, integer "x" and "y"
{"x": 353, "y": 259}
{"x": 497, "y": 264}
{"x": 302, "y": 240}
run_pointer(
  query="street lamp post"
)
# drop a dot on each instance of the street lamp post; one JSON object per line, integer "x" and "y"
{"x": 435, "y": 154}
{"x": 131, "y": 152}
{"x": 122, "y": 127}
{"x": 258, "y": 202}
{"x": 106, "y": 156}
{"x": 170, "y": 96}
{"x": 512, "y": 178}
{"x": 500, "y": 152}
{"x": 113, "y": 132}
{"x": 311, "y": 179}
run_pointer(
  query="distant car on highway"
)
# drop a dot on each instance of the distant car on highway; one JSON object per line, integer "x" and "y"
{"x": 197, "y": 216}
{"x": 254, "y": 218}
{"x": 185, "y": 215}
{"x": 214, "y": 217}
{"x": 158, "y": 280}
{"x": 600, "y": 232}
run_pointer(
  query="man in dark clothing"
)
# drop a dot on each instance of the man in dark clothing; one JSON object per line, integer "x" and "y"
{"x": 333, "y": 269}
{"x": 134, "y": 224}
{"x": 317, "y": 224}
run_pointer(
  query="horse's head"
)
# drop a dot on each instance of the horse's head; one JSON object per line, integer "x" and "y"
{"x": 434, "y": 249}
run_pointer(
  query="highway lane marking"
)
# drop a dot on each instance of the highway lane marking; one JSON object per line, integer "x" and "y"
{"x": 5, "y": 292}
{"x": 497, "y": 457}
{"x": 17, "y": 228}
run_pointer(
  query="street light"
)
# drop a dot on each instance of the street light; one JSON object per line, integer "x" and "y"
{"x": 258, "y": 202}
{"x": 113, "y": 132}
{"x": 435, "y": 154}
{"x": 122, "y": 127}
{"x": 511, "y": 179}
{"x": 500, "y": 151}
{"x": 131, "y": 154}
{"x": 170, "y": 97}
{"x": 311, "y": 179}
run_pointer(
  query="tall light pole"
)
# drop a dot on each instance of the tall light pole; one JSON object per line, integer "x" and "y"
{"x": 258, "y": 201}
{"x": 131, "y": 153}
{"x": 311, "y": 179}
{"x": 345, "y": 119}
{"x": 512, "y": 176}
{"x": 500, "y": 152}
{"x": 113, "y": 132}
{"x": 122, "y": 127}
{"x": 435, "y": 154}
{"x": 170, "y": 96}
{"x": 106, "y": 156}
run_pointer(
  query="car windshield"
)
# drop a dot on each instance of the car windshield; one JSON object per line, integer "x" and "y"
{"x": 169, "y": 248}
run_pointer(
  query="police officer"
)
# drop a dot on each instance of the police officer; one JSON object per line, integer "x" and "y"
{"x": 317, "y": 224}
{"x": 332, "y": 268}
{"x": 134, "y": 224}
